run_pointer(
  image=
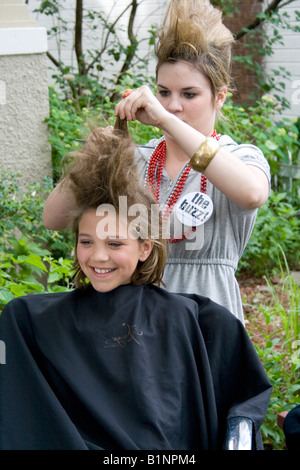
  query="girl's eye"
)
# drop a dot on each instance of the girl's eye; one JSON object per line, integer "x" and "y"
{"x": 189, "y": 95}
{"x": 164, "y": 93}
{"x": 115, "y": 244}
{"x": 85, "y": 242}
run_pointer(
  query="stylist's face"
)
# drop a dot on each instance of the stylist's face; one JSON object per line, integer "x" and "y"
{"x": 186, "y": 93}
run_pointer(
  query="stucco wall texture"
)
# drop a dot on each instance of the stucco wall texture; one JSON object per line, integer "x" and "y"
{"x": 24, "y": 105}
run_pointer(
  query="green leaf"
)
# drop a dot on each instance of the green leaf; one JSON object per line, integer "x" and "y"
{"x": 6, "y": 295}
{"x": 36, "y": 261}
{"x": 271, "y": 145}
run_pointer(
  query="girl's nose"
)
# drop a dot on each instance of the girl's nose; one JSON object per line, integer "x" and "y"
{"x": 100, "y": 254}
{"x": 174, "y": 105}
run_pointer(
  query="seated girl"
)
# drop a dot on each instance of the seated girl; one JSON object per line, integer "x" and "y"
{"x": 119, "y": 362}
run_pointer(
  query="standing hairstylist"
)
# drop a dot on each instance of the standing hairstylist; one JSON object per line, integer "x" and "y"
{"x": 209, "y": 187}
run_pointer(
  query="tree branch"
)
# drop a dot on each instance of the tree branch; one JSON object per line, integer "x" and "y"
{"x": 54, "y": 61}
{"x": 106, "y": 39}
{"x": 286, "y": 3}
{"x": 78, "y": 38}
{"x": 131, "y": 51}
{"x": 274, "y": 5}
{"x": 133, "y": 42}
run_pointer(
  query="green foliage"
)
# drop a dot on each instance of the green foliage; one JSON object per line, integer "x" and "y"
{"x": 277, "y": 223}
{"x": 278, "y": 348}
{"x": 66, "y": 125}
{"x": 260, "y": 37}
{"x": 21, "y": 212}
{"x": 228, "y": 7}
{"x": 80, "y": 91}
{"x": 32, "y": 258}
{"x": 32, "y": 273}
{"x": 286, "y": 386}
{"x": 279, "y": 140}
{"x": 289, "y": 318}
{"x": 69, "y": 124}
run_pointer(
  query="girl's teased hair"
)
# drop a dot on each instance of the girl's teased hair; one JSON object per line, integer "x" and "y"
{"x": 193, "y": 32}
{"x": 102, "y": 172}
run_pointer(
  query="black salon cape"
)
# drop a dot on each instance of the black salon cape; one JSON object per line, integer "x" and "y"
{"x": 134, "y": 368}
{"x": 291, "y": 428}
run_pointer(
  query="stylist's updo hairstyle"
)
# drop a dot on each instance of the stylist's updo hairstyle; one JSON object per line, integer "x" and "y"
{"x": 193, "y": 32}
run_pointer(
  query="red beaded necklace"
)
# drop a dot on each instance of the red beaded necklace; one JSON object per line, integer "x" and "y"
{"x": 154, "y": 175}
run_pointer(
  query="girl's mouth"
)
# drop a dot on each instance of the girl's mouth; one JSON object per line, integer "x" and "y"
{"x": 103, "y": 271}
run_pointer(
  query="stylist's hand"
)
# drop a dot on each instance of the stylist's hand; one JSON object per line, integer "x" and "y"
{"x": 140, "y": 104}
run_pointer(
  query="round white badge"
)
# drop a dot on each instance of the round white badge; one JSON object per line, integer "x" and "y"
{"x": 194, "y": 209}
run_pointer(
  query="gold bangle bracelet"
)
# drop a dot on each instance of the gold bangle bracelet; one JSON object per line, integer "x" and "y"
{"x": 204, "y": 155}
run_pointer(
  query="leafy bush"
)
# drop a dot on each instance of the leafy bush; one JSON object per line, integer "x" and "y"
{"x": 278, "y": 219}
{"x": 32, "y": 258}
{"x": 277, "y": 223}
{"x": 29, "y": 273}
{"x": 66, "y": 126}
{"x": 277, "y": 344}
{"x": 70, "y": 124}
{"x": 21, "y": 212}
{"x": 279, "y": 140}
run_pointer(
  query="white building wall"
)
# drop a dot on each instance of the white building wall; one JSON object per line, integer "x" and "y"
{"x": 288, "y": 56}
{"x": 151, "y": 12}
{"x": 24, "y": 100}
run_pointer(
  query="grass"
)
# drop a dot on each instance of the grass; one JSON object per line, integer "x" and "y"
{"x": 275, "y": 331}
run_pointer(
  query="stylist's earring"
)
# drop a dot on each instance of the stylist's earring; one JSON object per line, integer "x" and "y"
{"x": 127, "y": 93}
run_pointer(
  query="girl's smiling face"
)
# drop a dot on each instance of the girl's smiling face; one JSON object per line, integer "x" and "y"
{"x": 185, "y": 92}
{"x": 110, "y": 259}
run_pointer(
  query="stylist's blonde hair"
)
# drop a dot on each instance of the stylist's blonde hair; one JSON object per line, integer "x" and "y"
{"x": 193, "y": 32}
